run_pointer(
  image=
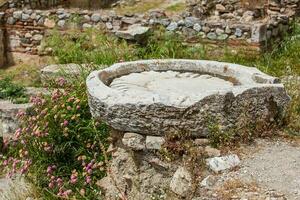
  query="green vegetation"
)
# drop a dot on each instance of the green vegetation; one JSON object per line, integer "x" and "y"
{"x": 58, "y": 146}
{"x": 12, "y": 91}
{"x": 95, "y": 47}
{"x": 178, "y": 7}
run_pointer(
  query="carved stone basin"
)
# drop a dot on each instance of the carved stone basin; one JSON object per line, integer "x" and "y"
{"x": 154, "y": 97}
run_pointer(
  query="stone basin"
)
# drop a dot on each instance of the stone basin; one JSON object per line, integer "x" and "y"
{"x": 155, "y": 97}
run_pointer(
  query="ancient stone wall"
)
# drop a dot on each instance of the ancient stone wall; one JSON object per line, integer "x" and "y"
{"x": 228, "y": 22}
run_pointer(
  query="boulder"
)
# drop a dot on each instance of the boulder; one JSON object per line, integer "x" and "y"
{"x": 134, "y": 32}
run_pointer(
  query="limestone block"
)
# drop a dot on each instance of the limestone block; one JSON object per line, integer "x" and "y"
{"x": 218, "y": 164}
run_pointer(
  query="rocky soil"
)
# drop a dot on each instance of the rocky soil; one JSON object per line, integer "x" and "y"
{"x": 268, "y": 170}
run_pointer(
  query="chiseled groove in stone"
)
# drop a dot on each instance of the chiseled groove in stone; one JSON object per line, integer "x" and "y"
{"x": 145, "y": 117}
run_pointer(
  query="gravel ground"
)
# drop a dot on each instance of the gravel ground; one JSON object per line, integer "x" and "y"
{"x": 269, "y": 170}
{"x": 276, "y": 166}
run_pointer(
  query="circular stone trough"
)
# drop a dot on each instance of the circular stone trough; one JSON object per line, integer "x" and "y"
{"x": 154, "y": 97}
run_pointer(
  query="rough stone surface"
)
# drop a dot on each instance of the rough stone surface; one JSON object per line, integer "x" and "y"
{"x": 247, "y": 91}
{"x": 172, "y": 26}
{"x": 8, "y": 116}
{"x": 181, "y": 182}
{"x": 219, "y": 164}
{"x": 240, "y": 23}
{"x": 134, "y": 141}
{"x": 154, "y": 143}
{"x": 134, "y": 32}
{"x": 208, "y": 181}
{"x": 137, "y": 175}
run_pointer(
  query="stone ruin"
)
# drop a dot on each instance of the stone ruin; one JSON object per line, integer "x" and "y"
{"x": 240, "y": 25}
{"x": 46, "y": 4}
{"x": 149, "y": 103}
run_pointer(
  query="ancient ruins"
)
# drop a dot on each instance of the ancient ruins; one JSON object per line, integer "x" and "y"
{"x": 146, "y": 101}
{"x": 240, "y": 24}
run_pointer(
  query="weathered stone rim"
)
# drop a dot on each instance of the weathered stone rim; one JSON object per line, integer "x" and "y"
{"x": 248, "y": 78}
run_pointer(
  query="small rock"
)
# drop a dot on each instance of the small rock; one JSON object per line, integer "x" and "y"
{"x": 219, "y": 164}
{"x": 164, "y": 22}
{"x": 181, "y": 22}
{"x": 197, "y": 27}
{"x": 11, "y": 20}
{"x": 37, "y": 37}
{"x": 86, "y": 25}
{"x": 134, "y": 141}
{"x": 219, "y": 31}
{"x": 220, "y": 7}
{"x": 227, "y": 30}
{"x": 108, "y": 25}
{"x": 28, "y": 35}
{"x": 25, "y": 17}
{"x": 181, "y": 182}
{"x": 212, "y": 36}
{"x": 60, "y": 11}
{"x": 17, "y": 14}
{"x": 208, "y": 181}
{"x": 27, "y": 11}
{"x": 238, "y": 32}
{"x": 96, "y": 17}
{"x": 61, "y": 23}
{"x": 201, "y": 142}
{"x": 154, "y": 143}
{"x": 212, "y": 152}
{"x": 172, "y": 26}
{"x": 191, "y": 21}
{"x": 134, "y": 32}
{"x": 49, "y": 23}
{"x": 130, "y": 20}
{"x": 206, "y": 29}
{"x": 86, "y": 18}
{"x": 40, "y": 21}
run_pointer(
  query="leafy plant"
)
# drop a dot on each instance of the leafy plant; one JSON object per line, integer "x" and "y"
{"x": 12, "y": 91}
{"x": 59, "y": 146}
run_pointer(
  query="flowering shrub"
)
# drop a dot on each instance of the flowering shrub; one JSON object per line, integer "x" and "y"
{"x": 59, "y": 146}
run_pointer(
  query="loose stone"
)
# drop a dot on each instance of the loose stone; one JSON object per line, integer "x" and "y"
{"x": 134, "y": 141}
{"x": 219, "y": 164}
{"x": 181, "y": 182}
{"x": 172, "y": 26}
{"x": 154, "y": 143}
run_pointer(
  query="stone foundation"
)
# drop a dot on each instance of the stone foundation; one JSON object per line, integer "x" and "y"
{"x": 234, "y": 24}
{"x": 145, "y": 167}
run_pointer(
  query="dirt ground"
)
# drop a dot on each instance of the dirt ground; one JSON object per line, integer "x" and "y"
{"x": 269, "y": 169}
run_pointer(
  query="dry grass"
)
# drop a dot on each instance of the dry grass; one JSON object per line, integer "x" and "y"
{"x": 232, "y": 188}
{"x": 140, "y": 7}
{"x": 27, "y": 75}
